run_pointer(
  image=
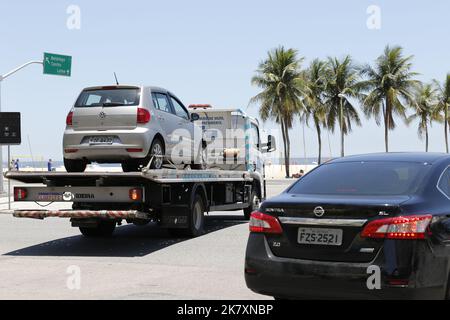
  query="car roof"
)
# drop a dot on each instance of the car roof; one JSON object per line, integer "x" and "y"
{"x": 126, "y": 86}
{"x": 428, "y": 157}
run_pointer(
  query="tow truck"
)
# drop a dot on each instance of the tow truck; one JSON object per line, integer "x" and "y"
{"x": 176, "y": 199}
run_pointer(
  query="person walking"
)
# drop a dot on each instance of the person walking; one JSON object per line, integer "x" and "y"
{"x": 49, "y": 165}
{"x": 16, "y": 165}
{"x": 12, "y": 165}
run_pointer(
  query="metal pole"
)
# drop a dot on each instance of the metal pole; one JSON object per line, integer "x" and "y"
{"x": 9, "y": 180}
{"x": 3, "y": 77}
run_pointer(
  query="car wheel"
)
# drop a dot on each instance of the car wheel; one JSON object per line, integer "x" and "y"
{"x": 196, "y": 221}
{"x": 103, "y": 229}
{"x": 157, "y": 153}
{"x": 255, "y": 200}
{"x": 200, "y": 162}
{"x": 74, "y": 165}
{"x": 130, "y": 166}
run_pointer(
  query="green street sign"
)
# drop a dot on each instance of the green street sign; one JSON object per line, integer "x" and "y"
{"x": 58, "y": 65}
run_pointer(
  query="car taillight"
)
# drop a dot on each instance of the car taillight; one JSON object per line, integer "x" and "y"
{"x": 69, "y": 118}
{"x": 143, "y": 116}
{"x": 263, "y": 223}
{"x": 20, "y": 194}
{"x": 135, "y": 194}
{"x": 405, "y": 227}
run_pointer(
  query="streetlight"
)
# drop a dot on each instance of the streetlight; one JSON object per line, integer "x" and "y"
{"x": 3, "y": 77}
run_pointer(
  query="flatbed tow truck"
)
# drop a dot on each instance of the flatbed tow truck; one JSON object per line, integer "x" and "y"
{"x": 175, "y": 199}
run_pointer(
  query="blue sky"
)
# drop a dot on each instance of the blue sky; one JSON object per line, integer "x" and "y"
{"x": 206, "y": 52}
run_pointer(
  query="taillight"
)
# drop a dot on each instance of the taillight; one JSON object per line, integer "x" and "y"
{"x": 20, "y": 193}
{"x": 263, "y": 223}
{"x": 405, "y": 227}
{"x": 135, "y": 194}
{"x": 143, "y": 116}
{"x": 69, "y": 118}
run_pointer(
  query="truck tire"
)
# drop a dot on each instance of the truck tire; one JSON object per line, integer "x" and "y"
{"x": 103, "y": 229}
{"x": 196, "y": 221}
{"x": 74, "y": 165}
{"x": 255, "y": 200}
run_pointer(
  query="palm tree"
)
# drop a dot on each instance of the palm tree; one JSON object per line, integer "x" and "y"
{"x": 443, "y": 104}
{"x": 315, "y": 81}
{"x": 280, "y": 78}
{"x": 426, "y": 110}
{"x": 342, "y": 84}
{"x": 390, "y": 86}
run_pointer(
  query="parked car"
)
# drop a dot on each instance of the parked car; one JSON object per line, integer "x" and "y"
{"x": 130, "y": 125}
{"x": 369, "y": 226}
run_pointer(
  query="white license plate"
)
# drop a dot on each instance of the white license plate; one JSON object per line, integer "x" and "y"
{"x": 319, "y": 236}
{"x": 101, "y": 140}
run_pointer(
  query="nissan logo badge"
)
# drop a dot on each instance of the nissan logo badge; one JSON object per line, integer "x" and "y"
{"x": 319, "y": 212}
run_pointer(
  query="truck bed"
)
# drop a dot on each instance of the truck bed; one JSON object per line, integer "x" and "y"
{"x": 158, "y": 176}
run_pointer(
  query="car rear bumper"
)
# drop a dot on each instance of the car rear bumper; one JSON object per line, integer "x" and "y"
{"x": 139, "y": 138}
{"x": 306, "y": 279}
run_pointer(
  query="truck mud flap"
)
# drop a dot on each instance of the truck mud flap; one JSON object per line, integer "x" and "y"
{"x": 80, "y": 214}
{"x": 175, "y": 217}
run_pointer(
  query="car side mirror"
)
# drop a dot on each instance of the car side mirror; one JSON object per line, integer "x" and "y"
{"x": 195, "y": 117}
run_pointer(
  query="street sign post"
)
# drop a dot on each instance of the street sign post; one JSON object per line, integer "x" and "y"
{"x": 57, "y": 64}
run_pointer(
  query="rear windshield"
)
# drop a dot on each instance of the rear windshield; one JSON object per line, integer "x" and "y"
{"x": 109, "y": 97}
{"x": 363, "y": 178}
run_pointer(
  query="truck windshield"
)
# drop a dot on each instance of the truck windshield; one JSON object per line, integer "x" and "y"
{"x": 109, "y": 97}
{"x": 363, "y": 178}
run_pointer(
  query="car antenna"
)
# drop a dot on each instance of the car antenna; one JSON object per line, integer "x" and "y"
{"x": 115, "y": 76}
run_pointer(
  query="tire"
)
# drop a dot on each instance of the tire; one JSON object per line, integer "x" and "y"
{"x": 75, "y": 165}
{"x": 103, "y": 229}
{"x": 255, "y": 200}
{"x": 130, "y": 166}
{"x": 201, "y": 158}
{"x": 157, "y": 148}
{"x": 196, "y": 221}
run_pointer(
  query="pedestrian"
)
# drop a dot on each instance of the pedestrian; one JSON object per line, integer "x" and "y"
{"x": 16, "y": 165}
{"x": 49, "y": 165}
{"x": 12, "y": 165}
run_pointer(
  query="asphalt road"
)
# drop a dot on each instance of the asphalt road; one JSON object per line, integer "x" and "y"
{"x": 50, "y": 260}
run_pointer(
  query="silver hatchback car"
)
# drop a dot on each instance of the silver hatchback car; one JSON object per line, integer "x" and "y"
{"x": 131, "y": 125}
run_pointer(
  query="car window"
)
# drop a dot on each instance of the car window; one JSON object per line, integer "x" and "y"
{"x": 161, "y": 102}
{"x": 109, "y": 97}
{"x": 254, "y": 133}
{"x": 444, "y": 183}
{"x": 179, "y": 109}
{"x": 363, "y": 178}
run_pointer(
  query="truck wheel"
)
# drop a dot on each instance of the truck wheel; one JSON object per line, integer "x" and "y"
{"x": 103, "y": 229}
{"x": 74, "y": 165}
{"x": 196, "y": 221}
{"x": 255, "y": 200}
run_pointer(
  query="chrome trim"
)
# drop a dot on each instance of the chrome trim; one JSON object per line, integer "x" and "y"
{"x": 439, "y": 181}
{"x": 323, "y": 222}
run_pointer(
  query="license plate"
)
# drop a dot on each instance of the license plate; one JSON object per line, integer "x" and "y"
{"x": 101, "y": 140}
{"x": 319, "y": 236}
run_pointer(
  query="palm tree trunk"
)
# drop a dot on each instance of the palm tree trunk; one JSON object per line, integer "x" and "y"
{"x": 319, "y": 140}
{"x": 341, "y": 124}
{"x": 286, "y": 161}
{"x": 446, "y": 126}
{"x": 288, "y": 150}
{"x": 387, "y": 124}
{"x": 426, "y": 138}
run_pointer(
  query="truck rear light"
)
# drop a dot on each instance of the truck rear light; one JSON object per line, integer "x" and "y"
{"x": 143, "y": 116}
{"x": 404, "y": 227}
{"x": 135, "y": 150}
{"x": 70, "y": 150}
{"x": 263, "y": 223}
{"x": 69, "y": 118}
{"x": 136, "y": 194}
{"x": 20, "y": 194}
